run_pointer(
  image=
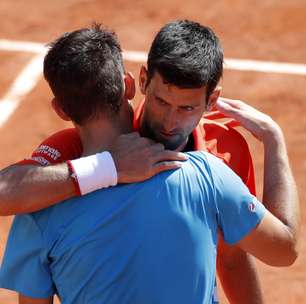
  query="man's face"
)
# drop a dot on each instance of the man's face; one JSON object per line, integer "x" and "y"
{"x": 170, "y": 113}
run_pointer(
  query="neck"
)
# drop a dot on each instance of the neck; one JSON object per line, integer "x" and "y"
{"x": 100, "y": 133}
{"x": 97, "y": 136}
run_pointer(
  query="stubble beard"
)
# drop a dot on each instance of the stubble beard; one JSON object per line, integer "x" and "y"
{"x": 149, "y": 131}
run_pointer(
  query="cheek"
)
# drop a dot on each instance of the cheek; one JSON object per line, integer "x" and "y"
{"x": 155, "y": 113}
{"x": 152, "y": 117}
{"x": 189, "y": 123}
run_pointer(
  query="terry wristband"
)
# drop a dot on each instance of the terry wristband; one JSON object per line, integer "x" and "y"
{"x": 94, "y": 172}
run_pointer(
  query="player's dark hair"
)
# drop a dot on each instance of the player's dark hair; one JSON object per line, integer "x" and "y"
{"x": 84, "y": 69}
{"x": 187, "y": 55}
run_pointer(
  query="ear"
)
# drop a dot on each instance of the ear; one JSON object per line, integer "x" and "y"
{"x": 212, "y": 99}
{"x": 58, "y": 110}
{"x": 129, "y": 83}
{"x": 143, "y": 77}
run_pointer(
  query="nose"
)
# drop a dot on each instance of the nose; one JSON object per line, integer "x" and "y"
{"x": 170, "y": 121}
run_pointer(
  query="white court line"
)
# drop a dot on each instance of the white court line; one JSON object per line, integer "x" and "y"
{"x": 265, "y": 66}
{"x": 135, "y": 56}
{"x": 22, "y": 85}
{"x": 21, "y": 46}
{"x": 239, "y": 64}
{"x": 28, "y": 78}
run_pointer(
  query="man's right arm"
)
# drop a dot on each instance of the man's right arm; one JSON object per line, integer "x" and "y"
{"x": 275, "y": 239}
{"x": 28, "y": 188}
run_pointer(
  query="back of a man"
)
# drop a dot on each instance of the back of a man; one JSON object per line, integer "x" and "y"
{"x": 151, "y": 242}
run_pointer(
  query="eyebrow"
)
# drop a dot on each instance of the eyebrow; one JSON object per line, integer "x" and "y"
{"x": 161, "y": 99}
{"x": 181, "y": 106}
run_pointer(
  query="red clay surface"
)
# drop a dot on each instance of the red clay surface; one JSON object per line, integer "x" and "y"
{"x": 270, "y": 31}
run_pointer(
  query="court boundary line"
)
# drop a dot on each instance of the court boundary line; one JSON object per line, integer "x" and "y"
{"x": 22, "y": 86}
{"x": 138, "y": 56}
{"x": 30, "y": 75}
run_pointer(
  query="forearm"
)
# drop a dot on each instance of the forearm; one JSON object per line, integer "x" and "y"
{"x": 28, "y": 188}
{"x": 238, "y": 275}
{"x": 280, "y": 192}
{"x": 275, "y": 239}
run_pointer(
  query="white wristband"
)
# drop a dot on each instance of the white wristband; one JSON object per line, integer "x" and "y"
{"x": 95, "y": 171}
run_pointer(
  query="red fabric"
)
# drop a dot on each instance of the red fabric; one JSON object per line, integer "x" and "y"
{"x": 59, "y": 147}
{"x": 228, "y": 144}
{"x": 74, "y": 178}
{"x": 218, "y": 138}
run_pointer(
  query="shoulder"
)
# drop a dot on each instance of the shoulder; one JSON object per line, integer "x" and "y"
{"x": 70, "y": 134}
{"x": 60, "y": 146}
{"x": 200, "y": 166}
{"x": 229, "y": 145}
{"x": 211, "y": 168}
{"x": 205, "y": 161}
{"x": 45, "y": 225}
{"x": 221, "y": 138}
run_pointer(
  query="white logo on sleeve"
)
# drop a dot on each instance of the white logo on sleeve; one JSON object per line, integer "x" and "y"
{"x": 252, "y": 206}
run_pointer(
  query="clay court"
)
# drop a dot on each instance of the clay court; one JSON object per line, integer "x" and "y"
{"x": 264, "y": 30}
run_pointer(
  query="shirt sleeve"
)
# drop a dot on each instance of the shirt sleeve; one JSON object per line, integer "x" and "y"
{"x": 241, "y": 161}
{"x": 25, "y": 266}
{"x": 238, "y": 211}
{"x": 228, "y": 144}
{"x": 59, "y": 147}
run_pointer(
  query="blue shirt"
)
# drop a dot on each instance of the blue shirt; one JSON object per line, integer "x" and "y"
{"x": 147, "y": 243}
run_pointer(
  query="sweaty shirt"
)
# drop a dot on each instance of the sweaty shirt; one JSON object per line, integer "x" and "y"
{"x": 152, "y": 242}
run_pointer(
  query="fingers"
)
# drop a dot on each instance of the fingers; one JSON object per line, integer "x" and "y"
{"x": 168, "y": 160}
{"x": 157, "y": 148}
{"x": 131, "y": 135}
{"x": 234, "y": 105}
{"x": 134, "y": 138}
{"x": 224, "y": 106}
{"x": 213, "y": 115}
{"x": 168, "y": 155}
{"x": 238, "y": 104}
{"x": 145, "y": 142}
{"x": 236, "y": 109}
{"x": 165, "y": 166}
{"x": 227, "y": 109}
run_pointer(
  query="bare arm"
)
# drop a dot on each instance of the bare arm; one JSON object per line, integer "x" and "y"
{"x": 28, "y": 188}
{"x": 236, "y": 268}
{"x": 238, "y": 275}
{"x": 27, "y": 300}
{"x": 275, "y": 239}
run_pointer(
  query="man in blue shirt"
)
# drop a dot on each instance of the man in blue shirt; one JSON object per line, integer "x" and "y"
{"x": 151, "y": 242}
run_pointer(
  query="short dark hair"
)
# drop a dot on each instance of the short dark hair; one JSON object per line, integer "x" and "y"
{"x": 84, "y": 69}
{"x": 186, "y": 54}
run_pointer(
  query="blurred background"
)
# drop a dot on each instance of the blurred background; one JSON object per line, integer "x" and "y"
{"x": 268, "y": 30}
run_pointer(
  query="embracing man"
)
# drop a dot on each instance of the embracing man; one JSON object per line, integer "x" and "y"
{"x": 173, "y": 108}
